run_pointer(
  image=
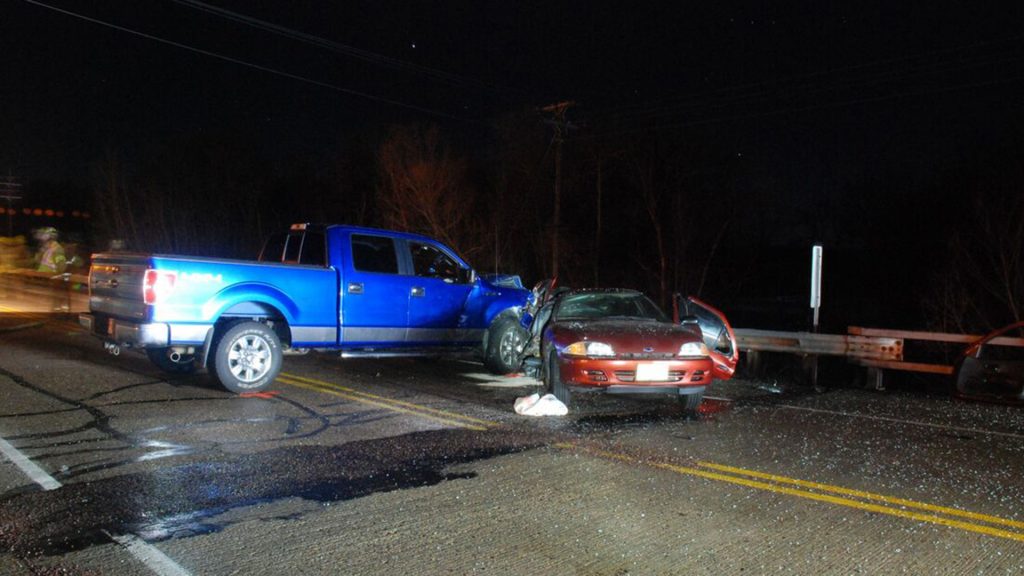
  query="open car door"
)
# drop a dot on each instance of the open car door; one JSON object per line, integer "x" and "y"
{"x": 992, "y": 368}
{"x": 718, "y": 336}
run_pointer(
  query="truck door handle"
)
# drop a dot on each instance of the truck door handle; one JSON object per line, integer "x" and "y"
{"x": 417, "y": 291}
{"x": 355, "y": 287}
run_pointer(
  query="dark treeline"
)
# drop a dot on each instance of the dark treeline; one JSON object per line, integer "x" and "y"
{"x": 654, "y": 210}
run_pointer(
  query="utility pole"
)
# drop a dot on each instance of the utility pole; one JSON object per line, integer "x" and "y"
{"x": 597, "y": 228}
{"x": 10, "y": 190}
{"x": 558, "y": 120}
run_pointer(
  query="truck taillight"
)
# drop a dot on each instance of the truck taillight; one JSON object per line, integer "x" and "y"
{"x": 158, "y": 285}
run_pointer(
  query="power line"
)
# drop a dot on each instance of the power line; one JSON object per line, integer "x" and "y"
{"x": 815, "y": 107}
{"x": 247, "y": 64}
{"x": 702, "y": 98}
{"x": 337, "y": 47}
{"x": 854, "y": 84}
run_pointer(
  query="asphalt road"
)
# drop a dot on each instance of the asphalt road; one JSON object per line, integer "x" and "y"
{"x": 405, "y": 467}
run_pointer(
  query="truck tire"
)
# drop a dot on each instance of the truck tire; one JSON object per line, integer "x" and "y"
{"x": 504, "y": 339}
{"x": 162, "y": 358}
{"x": 247, "y": 357}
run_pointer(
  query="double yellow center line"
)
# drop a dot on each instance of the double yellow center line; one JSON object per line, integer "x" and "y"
{"x": 850, "y": 498}
{"x": 441, "y": 416}
{"x": 817, "y": 491}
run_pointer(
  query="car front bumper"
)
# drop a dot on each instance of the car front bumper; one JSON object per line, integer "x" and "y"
{"x": 683, "y": 376}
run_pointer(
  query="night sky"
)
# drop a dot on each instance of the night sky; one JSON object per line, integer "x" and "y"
{"x": 828, "y": 90}
{"x": 806, "y": 108}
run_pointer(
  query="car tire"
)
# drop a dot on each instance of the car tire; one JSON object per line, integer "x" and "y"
{"x": 553, "y": 380}
{"x": 161, "y": 357}
{"x": 505, "y": 339}
{"x": 691, "y": 403}
{"x": 247, "y": 357}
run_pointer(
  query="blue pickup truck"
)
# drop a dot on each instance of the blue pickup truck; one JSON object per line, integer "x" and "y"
{"x": 360, "y": 291}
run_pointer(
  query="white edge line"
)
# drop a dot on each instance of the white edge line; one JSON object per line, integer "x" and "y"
{"x": 144, "y": 552}
{"x": 149, "y": 555}
{"x": 899, "y": 421}
{"x": 30, "y": 468}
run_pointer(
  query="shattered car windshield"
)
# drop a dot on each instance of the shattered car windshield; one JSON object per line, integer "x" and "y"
{"x": 588, "y": 306}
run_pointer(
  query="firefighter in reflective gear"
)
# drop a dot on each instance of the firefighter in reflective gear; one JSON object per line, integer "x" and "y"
{"x": 52, "y": 260}
{"x": 50, "y": 257}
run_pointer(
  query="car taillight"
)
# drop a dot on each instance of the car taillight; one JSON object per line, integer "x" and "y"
{"x": 158, "y": 285}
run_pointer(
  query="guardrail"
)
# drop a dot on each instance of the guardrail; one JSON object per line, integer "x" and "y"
{"x": 876, "y": 349}
{"x": 20, "y": 274}
{"x": 21, "y": 288}
{"x": 811, "y": 343}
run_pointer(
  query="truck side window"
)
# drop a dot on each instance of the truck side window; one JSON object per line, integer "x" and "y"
{"x": 314, "y": 252}
{"x": 273, "y": 248}
{"x": 374, "y": 254}
{"x": 431, "y": 262}
{"x": 291, "y": 251}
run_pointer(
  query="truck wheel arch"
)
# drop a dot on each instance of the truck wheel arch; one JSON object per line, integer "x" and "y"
{"x": 506, "y": 313}
{"x": 261, "y": 312}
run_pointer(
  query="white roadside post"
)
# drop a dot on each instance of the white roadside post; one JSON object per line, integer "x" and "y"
{"x": 816, "y": 257}
{"x": 816, "y": 282}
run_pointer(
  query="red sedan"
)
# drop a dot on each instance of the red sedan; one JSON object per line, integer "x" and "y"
{"x": 619, "y": 341}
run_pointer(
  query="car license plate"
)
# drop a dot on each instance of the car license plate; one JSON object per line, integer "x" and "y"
{"x": 652, "y": 372}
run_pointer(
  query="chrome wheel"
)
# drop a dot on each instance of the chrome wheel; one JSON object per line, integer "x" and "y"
{"x": 249, "y": 358}
{"x": 246, "y": 357}
{"x": 504, "y": 339}
{"x": 509, "y": 346}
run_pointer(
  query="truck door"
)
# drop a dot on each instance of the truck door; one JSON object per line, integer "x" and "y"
{"x": 437, "y": 299}
{"x": 718, "y": 336}
{"x": 374, "y": 294}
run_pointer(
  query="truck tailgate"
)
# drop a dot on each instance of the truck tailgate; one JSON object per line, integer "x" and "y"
{"x": 115, "y": 285}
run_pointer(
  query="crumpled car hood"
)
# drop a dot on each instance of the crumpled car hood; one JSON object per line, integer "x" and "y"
{"x": 627, "y": 335}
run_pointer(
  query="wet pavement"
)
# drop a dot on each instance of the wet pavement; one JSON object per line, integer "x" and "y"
{"x": 384, "y": 467}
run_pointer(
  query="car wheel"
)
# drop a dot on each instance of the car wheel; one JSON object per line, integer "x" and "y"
{"x": 247, "y": 357}
{"x": 691, "y": 402}
{"x": 553, "y": 380}
{"x": 505, "y": 339}
{"x": 171, "y": 362}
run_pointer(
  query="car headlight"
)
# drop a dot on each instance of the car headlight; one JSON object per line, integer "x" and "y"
{"x": 693, "y": 349}
{"x": 594, "y": 349}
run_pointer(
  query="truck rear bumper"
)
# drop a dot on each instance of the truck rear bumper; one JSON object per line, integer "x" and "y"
{"x": 127, "y": 333}
{"x": 139, "y": 335}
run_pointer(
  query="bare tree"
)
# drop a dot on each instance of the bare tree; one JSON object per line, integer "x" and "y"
{"x": 651, "y": 196}
{"x": 113, "y": 201}
{"x": 983, "y": 287}
{"x": 423, "y": 188}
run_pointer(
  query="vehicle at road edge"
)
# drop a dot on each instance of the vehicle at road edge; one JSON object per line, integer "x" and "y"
{"x": 988, "y": 371}
{"x": 360, "y": 291}
{"x": 619, "y": 341}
